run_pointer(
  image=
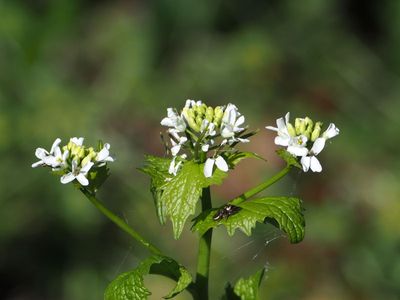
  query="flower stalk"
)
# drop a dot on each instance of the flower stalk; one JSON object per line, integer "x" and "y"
{"x": 120, "y": 223}
{"x": 259, "y": 188}
{"x": 204, "y": 253}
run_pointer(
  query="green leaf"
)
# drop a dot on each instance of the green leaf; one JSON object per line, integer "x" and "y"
{"x": 130, "y": 285}
{"x": 234, "y": 158}
{"x": 283, "y": 212}
{"x": 180, "y": 195}
{"x": 288, "y": 158}
{"x": 157, "y": 169}
{"x": 247, "y": 289}
{"x": 176, "y": 196}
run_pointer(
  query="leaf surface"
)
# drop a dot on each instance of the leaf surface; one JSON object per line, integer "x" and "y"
{"x": 283, "y": 212}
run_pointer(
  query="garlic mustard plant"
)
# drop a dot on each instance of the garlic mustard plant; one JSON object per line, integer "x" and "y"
{"x": 202, "y": 144}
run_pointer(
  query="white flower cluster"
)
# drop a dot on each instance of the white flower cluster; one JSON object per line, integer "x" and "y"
{"x": 73, "y": 160}
{"x": 196, "y": 129}
{"x": 298, "y": 139}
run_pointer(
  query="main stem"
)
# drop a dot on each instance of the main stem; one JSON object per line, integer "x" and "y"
{"x": 120, "y": 223}
{"x": 203, "y": 260}
{"x": 262, "y": 186}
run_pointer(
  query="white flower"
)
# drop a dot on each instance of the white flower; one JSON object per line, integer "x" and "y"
{"x": 331, "y": 132}
{"x": 77, "y": 141}
{"x": 176, "y": 141}
{"x": 103, "y": 155}
{"x": 297, "y": 146}
{"x": 174, "y": 120}
{"x": 46, "y": 158}
{"x": 78, "y": 173}
{"x": 191, "y": 103}
{"x": 283, "y": 138}
{"x": 311, "y": 161}
{"x": 174, "y": 167}
{"x": 219, "y": 161}
{"x": 231, "y": 121}
{"x": 208, "y": 127}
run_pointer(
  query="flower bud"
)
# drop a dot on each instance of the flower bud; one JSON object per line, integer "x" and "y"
{"x": 300, "y": 126}
{"x": 209, "y": 114}
{"x": 309, "y": 127}
{"x": 316, "y": 132}
{"x": 218, "y": 114}
{"x": 291, "y": 129}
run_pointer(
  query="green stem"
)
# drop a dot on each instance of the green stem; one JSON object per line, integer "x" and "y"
{"x": 203, "y": 260}
{"x": 262, "y": 186}
{"x": 120, "y": 223}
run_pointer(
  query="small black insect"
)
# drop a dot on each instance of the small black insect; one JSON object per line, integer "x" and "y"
{"x": 226, "y": 211}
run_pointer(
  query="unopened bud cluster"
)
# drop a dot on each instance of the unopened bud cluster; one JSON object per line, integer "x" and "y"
{"x": 74, "y": 160}
{"x": 199, "y": 129}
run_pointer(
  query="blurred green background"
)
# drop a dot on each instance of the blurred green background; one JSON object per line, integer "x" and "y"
{"x": 109, "y": 69}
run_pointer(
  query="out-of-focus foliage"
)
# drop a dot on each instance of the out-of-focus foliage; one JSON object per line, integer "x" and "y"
{"x": 109, "y": 69}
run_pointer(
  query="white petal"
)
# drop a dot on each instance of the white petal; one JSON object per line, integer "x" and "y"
{"x": 77, "y": 141}
{"x": 37, "y": 164}
{"x": 82, "y": 179}
{"x": 67, "y": 178}
{"x": 297, "y": 150}
{"x": 315, "y": 165}
{"x": 239, "y": 121}
{"x": 50, "y": 161}
{"x": 172, "y": 166}
{"x": 227, "y": 132}
{"x": 86, "y": 167}
{"x": 57, "y": 152}
{"x": 282, "y": 141}
{"x": 41, "y": 153}
{"x": 331, "y": 131}
{"x": 318, "y": 145}
{"x": 102, "y": 154}
{"x": 221, "y": 164}
{"x": 305, "y": 162}
{"x": 271, "y": 128}
{"x": 167, "y": 122}
{"x": 55, "y": 144}
{"x": 287, "y": 116}
{"x": 281, "y": 125}
{"x": 208, "y": 167}
{"x": 175, "y": 149}
{"x": 205, "y": 147}
{"x": 243, "y": 140}
{"x": 65, "y": 155}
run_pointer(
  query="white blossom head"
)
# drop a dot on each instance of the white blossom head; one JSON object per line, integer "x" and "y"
{"x": 203, "y": 133}
{"x": 75, "y": 162}
{"x": 303, "y": 140}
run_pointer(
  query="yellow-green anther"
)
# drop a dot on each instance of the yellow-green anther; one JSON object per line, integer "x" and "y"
{"x": 291, "y": 129}
{"x": 316, "y": 132}
{"x": 209, "y": 114}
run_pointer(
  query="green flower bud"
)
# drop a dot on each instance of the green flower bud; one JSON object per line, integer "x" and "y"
{"x": 199, "y": 120}
{"x": 300, "y": 126}
{"x": 87, "y": 159}
{"x": 291, "y": 129}
{"x": 316, "y": 132}
{"x": 218, "y": 114}
{"x": 210, "y": 114}
{"x": 192, "y": 124}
